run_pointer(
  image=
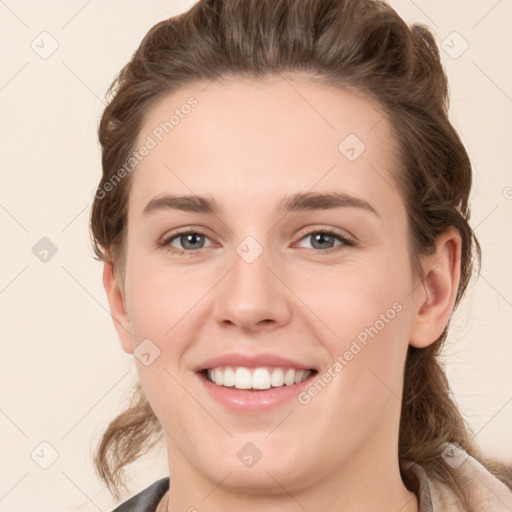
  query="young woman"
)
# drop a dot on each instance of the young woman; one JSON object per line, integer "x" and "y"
{"x": 283, "y": 220}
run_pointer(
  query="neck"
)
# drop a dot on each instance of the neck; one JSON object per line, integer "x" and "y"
{"x": 371, "y": 482}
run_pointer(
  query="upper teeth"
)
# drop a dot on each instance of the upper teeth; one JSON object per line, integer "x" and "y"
{"x": 256, "y": 378}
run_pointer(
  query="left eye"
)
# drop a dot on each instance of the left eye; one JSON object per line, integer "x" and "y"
{"x": 325, "y": 240}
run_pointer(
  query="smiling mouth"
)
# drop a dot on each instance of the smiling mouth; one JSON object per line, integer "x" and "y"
{"x": 261, "y": 378}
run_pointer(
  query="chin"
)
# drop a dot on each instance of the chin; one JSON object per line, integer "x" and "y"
{"x": 253, "y": 465}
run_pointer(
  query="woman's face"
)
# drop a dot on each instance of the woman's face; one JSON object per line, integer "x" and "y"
{"x": 256, "y": 294}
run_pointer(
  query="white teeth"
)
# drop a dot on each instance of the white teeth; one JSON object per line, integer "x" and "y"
{"x": 219, "y": 376}
{"x": 229, "y": 377}
{"x": 277, "y": 379}
{"x": 299, "y": 374}
{"x": 289, "y": 377}
{"x": 258, "y": 378}
{"x": 243, "y": 378}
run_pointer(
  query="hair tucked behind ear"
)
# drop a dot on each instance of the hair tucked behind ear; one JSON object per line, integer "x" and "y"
{"x": 361, "y": 45}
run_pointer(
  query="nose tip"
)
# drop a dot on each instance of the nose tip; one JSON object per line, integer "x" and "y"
{"x": 251, "y": 297}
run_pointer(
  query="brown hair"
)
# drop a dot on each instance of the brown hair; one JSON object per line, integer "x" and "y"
{"x": 361, "y": 45}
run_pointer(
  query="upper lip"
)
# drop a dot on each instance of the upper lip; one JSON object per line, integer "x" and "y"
{"x": 251, "y": 361}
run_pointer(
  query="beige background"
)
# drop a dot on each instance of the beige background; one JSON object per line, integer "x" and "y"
{"x": 63, "y": 373}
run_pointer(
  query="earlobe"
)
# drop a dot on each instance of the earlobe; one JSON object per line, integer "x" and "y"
{"x": 117, "y": 307}
{"x": 436, "y": 296}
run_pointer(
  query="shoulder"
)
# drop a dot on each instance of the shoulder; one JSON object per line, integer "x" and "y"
{"x": 146, "y": 500}
{"x": 484, "y": 491}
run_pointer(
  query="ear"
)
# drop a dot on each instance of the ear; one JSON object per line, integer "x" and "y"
{"x": 117, "y": 307}
{"x": 436, "y": 294}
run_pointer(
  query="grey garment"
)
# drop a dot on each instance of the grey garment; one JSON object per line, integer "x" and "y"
{"x": 419, "y": 483}
{"x": 148, "y": 499}
{"x": 483, "y": 491}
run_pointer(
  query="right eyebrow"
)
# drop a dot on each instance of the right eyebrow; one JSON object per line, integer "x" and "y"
{"x": 195, "y": 204}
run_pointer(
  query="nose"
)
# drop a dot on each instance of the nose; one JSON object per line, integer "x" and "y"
{"x": 253, "y": 296}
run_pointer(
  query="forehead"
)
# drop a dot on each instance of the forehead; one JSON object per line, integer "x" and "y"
{"x": 242, "y": 139}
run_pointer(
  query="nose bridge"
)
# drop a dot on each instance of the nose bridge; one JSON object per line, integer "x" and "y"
{"x": 251, "y": 293}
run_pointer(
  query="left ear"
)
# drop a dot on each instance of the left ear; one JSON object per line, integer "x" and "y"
{"x": 436, "y": 295}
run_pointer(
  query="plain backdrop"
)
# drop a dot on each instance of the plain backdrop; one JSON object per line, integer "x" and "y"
{"x": 64, "y": 375}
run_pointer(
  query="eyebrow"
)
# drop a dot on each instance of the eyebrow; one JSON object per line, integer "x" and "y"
{"x": 301, "y": 201}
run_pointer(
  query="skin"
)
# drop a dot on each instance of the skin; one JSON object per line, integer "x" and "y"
{"x": 248, "y": 143}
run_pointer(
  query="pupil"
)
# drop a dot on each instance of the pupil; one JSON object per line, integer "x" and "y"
{"x": 191, "y": 238}
{"x": 321, "y": 237}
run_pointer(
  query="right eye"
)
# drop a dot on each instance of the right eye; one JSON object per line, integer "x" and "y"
{"x": 190, "y": 239}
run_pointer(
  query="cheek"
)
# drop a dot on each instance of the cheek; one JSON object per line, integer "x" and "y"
{"x": 161, "y": 300}
{"x": 368, "y": 311}
{"x": 353, "y": 297}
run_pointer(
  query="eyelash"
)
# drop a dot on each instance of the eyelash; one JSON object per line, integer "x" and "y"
{"x": 165, "y": 243}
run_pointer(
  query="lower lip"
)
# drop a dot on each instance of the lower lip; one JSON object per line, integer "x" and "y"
{"x": 248, "y": 400}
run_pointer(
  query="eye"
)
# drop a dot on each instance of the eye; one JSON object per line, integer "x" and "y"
{"x": 190, "y": 240}
{"x": 323, "y": 240}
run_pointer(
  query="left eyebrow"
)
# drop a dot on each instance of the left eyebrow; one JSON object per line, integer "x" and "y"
{"x": 323, "y": 201}
{"x": 305, "y": 201}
